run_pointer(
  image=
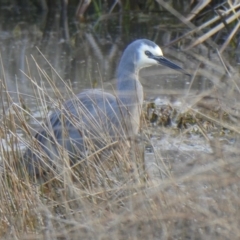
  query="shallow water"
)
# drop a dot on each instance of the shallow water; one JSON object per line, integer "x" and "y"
{"x": 89, "y": 57}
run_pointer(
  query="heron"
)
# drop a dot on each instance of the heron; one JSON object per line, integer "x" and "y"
{"x": 95, "y": 119}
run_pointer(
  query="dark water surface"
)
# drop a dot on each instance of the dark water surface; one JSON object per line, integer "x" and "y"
{"x": 90, "y": 54}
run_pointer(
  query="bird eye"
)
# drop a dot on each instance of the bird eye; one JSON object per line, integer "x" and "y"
{"x": 148, "y": 53}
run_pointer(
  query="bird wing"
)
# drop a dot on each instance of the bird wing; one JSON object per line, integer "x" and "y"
{"x": 93, "y": 115}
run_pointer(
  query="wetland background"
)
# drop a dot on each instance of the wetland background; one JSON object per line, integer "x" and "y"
{"x": 186, "y": 181}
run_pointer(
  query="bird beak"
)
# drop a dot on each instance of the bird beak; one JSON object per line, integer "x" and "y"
{"x": 165, "y": 62}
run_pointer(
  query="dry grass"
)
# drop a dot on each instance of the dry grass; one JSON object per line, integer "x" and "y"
{"x": 169, "y": 194}
{"x": 209, "y": 23}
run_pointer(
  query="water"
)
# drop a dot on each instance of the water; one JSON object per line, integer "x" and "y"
{"x": 92, "y": 53}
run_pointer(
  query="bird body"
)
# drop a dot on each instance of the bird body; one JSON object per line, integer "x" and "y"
{"x": 94, "y": 118}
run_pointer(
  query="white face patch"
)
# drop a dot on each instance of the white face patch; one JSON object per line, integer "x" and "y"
{"x": 144, "y": 60}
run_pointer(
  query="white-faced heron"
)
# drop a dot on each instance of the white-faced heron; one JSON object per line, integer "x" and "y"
{"x": 95, "y": 119}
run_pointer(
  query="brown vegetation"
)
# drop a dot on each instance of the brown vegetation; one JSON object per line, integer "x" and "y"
{"x": 179, "y": 181}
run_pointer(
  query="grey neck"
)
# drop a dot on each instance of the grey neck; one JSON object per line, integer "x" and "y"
{"x": 128, "y": 86}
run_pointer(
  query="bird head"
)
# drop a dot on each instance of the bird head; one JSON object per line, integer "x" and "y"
{"x": 150, "y": 54}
